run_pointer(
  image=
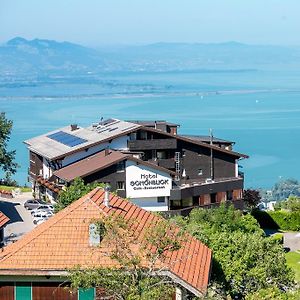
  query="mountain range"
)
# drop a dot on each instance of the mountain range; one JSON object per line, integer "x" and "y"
{"x": 40, "y": 57}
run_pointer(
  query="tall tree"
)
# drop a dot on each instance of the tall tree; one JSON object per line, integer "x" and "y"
{"x": 7, "y": 163}
{"x": 251, "y": 198}
{"x": 285, "y": 188}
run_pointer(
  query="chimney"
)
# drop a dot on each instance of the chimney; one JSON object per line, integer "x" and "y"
{"x": 74, "y": 127}
{"x": 106, "y": 196}
{"x": 106, "y": 152}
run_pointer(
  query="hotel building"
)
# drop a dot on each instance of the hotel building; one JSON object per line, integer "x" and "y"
{"x": 148, "y": 162}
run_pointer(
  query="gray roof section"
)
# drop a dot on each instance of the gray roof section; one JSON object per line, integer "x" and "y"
{"x": 152, "y": 123}
{"x": 94, "y": 134}
{"x": 206, "y": 138}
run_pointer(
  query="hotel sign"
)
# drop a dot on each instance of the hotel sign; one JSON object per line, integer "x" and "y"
{"x": 143, "y": 182}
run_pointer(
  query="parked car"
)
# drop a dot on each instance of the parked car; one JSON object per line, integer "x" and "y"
{"x": 42, "y": 213}
{"x": 40, "y": 221}
{"x": 32, "y": 204}
{"x": 43, "y": 207}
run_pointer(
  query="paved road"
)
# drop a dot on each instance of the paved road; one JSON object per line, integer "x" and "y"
{"x": 20, "y": 218}
{"x": 292, "y": 240}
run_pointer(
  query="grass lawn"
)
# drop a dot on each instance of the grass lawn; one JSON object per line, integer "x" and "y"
{"x": 293, "y": 261}
{"x": 10, "y": 188}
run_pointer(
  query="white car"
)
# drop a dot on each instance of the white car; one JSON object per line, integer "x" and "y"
{"x": 47, "y": 213}
{"x": 41, "y": 215}
{"x": 45, "y": 207}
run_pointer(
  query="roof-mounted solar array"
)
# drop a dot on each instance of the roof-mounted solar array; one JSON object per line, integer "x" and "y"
{"x": 66, "y": 138}
{"x": 108, "y": 122}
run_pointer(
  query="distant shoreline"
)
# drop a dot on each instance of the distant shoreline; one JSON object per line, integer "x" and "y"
{"x": 201, "y": 94}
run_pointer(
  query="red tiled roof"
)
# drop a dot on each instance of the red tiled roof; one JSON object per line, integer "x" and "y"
{"x": 3, "y": 219}
{"x": 49, "y": 185}
{"x": 62, "y": 242}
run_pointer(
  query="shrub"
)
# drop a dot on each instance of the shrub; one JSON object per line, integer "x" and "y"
{"x": 278, "y": 237}
{"x": 284, "y": 220}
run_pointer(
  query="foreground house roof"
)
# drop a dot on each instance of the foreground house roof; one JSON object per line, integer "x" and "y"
{"x": 3, "y": 219}
{"x": 62, "y": 242}
{"x": 97, "y": 162}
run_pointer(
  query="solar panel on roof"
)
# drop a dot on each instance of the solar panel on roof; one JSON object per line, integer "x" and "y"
{"x": 130, "y": 127}
{"x": 66, "y": 138}
{"x": 108, "y": 121}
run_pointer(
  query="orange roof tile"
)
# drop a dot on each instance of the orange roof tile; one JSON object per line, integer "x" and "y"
{"x": 3, "y": 219}
{"x": 62, "y": 242}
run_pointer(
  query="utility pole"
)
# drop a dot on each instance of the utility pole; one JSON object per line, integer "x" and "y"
{"x": 211, "y": 155}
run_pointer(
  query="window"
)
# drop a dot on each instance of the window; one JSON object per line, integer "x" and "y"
{"x": 132, "y": 136}
{"x": 143, "y": 135}
{"x": 200, "y": 172}
{"x": 121, "y": 166}
{"x": 121, "y": 185}
{"x": 213, "y": 198}
{"x": 161, "y": 199}
{"x": 161, "y": 155}
{"x": 229, "y": 195}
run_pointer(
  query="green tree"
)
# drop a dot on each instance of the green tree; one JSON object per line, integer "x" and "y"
{"x": 251, "y": 198}
{"x": 76, "y": 190}
{"x": 274, "y": 294}
{"x": 7, "y": 163}
{"x": 133, "y": 278}
{"x": 285, "y": 188}
{"x": 245, "y": 261}
{"x": 292, "y": 203}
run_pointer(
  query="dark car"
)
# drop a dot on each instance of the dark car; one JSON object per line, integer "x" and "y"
{"x": 32, "y": 204}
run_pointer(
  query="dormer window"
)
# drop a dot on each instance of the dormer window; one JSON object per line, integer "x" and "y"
{"x": 97, "y": 231}
{"x": 94, "y": 235}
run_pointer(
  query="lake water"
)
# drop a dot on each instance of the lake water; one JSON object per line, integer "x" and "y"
{"x": 258, "y": 110}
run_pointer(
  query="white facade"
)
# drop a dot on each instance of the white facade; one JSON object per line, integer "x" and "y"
{"x": 151, "y": 203}
{"x": 147, "y": 187}
{"x": 47, "y": 172}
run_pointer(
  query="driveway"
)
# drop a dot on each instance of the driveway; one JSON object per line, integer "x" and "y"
{"x": 292, "y": 240}
{"x": 20, "y": 218}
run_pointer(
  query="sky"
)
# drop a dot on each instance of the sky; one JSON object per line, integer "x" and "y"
{"x": 104, "y": 22}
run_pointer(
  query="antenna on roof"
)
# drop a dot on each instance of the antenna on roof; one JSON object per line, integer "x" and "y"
{"x": 211, "y": 137}
{"x": 106, "y": 196}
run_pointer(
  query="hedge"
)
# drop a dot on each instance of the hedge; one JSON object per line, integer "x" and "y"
{"x": 281, "y": 219}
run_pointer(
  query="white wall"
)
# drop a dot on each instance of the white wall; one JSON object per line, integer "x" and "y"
{"x": 236, "y": 168}
{"x": 143, "y": 181}
{"x": 47, "y": 172}
{"x": 150, "y": 203}
{"x": 118, "y": 143}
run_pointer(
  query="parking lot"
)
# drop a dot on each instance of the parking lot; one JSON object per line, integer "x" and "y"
{"x": 20, "y": 218}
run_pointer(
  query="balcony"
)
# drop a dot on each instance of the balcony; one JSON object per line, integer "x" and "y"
{"x": 191, "y": 189}
{"x": 155, "y": 144}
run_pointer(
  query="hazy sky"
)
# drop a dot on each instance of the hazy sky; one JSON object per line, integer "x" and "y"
{"x": 97, "y": 22}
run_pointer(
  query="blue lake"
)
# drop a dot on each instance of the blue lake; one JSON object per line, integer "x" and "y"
{"x": 261, "y": 115}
